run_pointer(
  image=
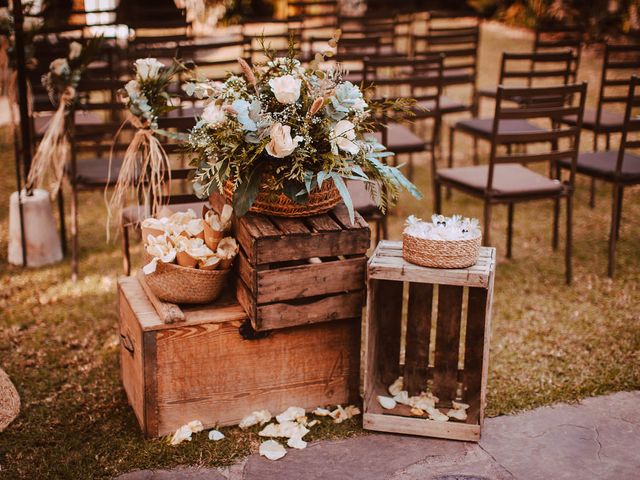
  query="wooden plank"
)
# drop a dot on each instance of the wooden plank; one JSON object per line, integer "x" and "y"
{"x": 422, "y": 427}
{"x": 487, "y": 347}
{"x": 417, "y": 337}
{"x": 290, "y": 226}
{"x": 314, "y": 310}
{"x": 246, "y": 272}
{"x": 445, "y": 377}
{"x": 474, "y": 351}
{"x": 341, "y": 215}
{"x": 326, "y": 244}
{"x": 246, "y": 299}
{"x": 131, "y": 356}
{"x": 168, "y": 312}
{"x": 150, "y": 384}
{"x": 263, "y": 224}
{"x": 209, "y": 372}
{"x": 388, "y": 322}
{"x": 415, "y": 273}
{"x": 310, "y": 280}
{"x": 322, "y": 223}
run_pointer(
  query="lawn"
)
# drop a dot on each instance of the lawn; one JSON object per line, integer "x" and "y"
{"x": 551, "y": 343}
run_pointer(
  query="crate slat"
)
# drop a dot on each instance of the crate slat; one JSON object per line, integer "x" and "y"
{"x": 447, "y": 341}
{"x": 418, "y": 337}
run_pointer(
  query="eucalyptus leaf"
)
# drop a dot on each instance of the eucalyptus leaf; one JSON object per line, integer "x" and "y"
{"x": 247, "y": 192}
{"x": 344, "y": 193}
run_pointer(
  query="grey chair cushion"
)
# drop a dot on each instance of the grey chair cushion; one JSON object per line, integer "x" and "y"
{"x": 482, "y": 126}
{"x": 94, "y": 172}
{"x": 610, "y": 121}
{"x": 509, "y": 179}
{"x": 402, "y": 140}
{"x": 447, "y": 105}
{"x": 603, "y": 165}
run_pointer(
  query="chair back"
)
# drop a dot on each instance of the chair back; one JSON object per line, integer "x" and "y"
{"x": 542, "y": 104}
{"x": 631, "y": 130}
{"x": 536, "y": 68}
{"x": 553, "y": 38}
{"x": 620, "y": 61}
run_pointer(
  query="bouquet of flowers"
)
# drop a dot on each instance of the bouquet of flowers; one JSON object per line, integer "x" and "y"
{"x": 61, "y": 82}
{"x": 145, "y": 165}
{"x": 285, "y": 130}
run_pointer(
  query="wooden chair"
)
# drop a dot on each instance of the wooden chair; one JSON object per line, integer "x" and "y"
{"x": 554, "y": 38}
{"x": 619, "y": 167}
{"x": 179, "y": 194}
{"x": 506, "y": 179}
{"x": 542, "y": 67}
{"x": 619, "y": 62}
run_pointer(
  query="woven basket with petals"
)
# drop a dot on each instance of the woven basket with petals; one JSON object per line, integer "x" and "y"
{"x": 441, "y": 253}
{"x": 175, "y": 284}
{"x": 279, "y": 205}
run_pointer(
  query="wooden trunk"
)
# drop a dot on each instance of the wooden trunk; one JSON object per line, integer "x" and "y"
{"x": 461, "y": 323}
{"x": 204, "y": 369}
{"x": 300, "y": 271}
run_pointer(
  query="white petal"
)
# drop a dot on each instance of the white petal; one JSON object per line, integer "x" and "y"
{"x": 248, "y": 421}
{"x": 459, "y": 405}
{"x": 291, "y": 413}
{"x": 438, "y": 416}
{"x": 321, "y": 412}
{"x": 272, "y": 450}
{"x": 182, "y": 434}
{"x": 386, "y": 402}
{"x": 297, "y": 442}
{"x": 458, "y": 414}
{"x": 402, "y": 397}
{"x": 396, "y": 387}
{"x": 195, "y": 426}
{"x": 216, "y": 435}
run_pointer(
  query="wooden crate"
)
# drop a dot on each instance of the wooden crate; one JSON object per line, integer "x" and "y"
{"x": 279, "y": 287}
{"x": 462, "y": 299}
{"x": 203, "y": 369}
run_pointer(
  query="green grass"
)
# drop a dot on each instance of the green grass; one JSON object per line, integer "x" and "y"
{"x": 59, "y": 341}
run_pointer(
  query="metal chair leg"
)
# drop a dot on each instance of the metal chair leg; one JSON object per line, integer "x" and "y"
{"x": 486, "y": 234}
{"x": 510, "y": 208}
{"x": 569, "y": 241}
{"x": 126, "y": 258}
{"x": 615, "y": 225}
{"x": 63, "y": 226}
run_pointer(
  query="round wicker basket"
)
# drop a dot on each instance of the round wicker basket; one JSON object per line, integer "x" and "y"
{"x": 9, "y": 401}
{"x": 279, "y": 205}
{"x": 441, "y": 253}
{"x": 175, "y": 284}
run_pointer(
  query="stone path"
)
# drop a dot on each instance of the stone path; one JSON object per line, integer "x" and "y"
{"x": 599, "y": 438}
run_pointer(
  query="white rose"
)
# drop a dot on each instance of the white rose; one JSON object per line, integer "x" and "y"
{"x": 148, "y": 68}
{"x": 75, "y": 49}
{"x": 213, "y": 115}
{"x": 132, "y": 88}
{"x": 286, "y": 88}
{"x": 344, "y": 135}
{"x": 59, "y": 66}
{"x": 281, "y": 144}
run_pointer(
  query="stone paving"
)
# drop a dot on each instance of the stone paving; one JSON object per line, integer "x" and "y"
{"x": 596, "y": 439}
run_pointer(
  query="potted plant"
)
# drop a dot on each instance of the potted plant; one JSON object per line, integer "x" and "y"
{"x": 283, "y": 139}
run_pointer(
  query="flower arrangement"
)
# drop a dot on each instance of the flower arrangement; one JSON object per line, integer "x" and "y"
{"x": 145, "y": 165}
{"x": 443, "y": 228}
{"x": 61, "y": 82}
{"x": 287, "y": 130}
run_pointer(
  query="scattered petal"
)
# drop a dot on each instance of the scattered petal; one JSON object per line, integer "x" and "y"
{"x": 418, "y": 412}
{"x": 196, "y": 426}
{"x": 438, "y": 416}
{"x": 321, "y": 412}
{"x": 396, "y": 387}
{"x": 258, "y": 417}
{"x": 313, "y": 423}
{"x": 215, "y": 435}
{"x": 458, "y": 414}
{"x": 386, "y": 402}
{"x": 297, "y": 442}
{"x": 290, "y": 414}
{"x": 272, "y": 450}
{"x": 402, "y": 397}
{"x": 352, "y": 411}
{"x": 459, "y": 405}
{"x": 183, "y": 434}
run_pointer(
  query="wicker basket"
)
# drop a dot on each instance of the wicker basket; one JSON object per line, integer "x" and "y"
{"x": 279, "y": 205}
{"x": 441, "y": 253}
{"x": 9, "y": 401}
{"x": 175, "y": 284}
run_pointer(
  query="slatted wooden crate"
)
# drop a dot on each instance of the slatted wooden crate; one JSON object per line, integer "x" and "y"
{"x": 204, "y": 369}
{"x": 461, "y": 302}
{"x": 304, "y": 270}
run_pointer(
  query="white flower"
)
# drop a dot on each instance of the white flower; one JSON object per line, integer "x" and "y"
{"x": 286, "y": 88}
{"x": 213, "y": 115}
{"x": 281, "y": 144}
{"x": 148, "y": 68}
{"x": 59, "y": 66}
{"x": 344, "y": 135}
{"x": 75, "y": 49}
{"x": 133, "y": 89}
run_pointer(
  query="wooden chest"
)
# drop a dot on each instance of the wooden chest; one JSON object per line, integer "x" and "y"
{"x": 204, "y": 369}
{"x": 455, "y": 366}
{"x": 300, "y": 271}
